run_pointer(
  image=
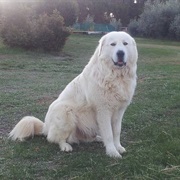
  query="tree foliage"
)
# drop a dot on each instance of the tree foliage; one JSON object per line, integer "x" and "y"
{"x": 16, "y": 26}
{"x": 100, "y": 10}
{"x": 21, "y": 28}
{"x": 175, "y": 27}
{"x": 50, "y": 32}
{"x": 68, "y": 9}
{"x": 157, "y": 19}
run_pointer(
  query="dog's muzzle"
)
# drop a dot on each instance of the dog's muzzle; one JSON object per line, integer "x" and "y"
{"x": 120, "y": 59}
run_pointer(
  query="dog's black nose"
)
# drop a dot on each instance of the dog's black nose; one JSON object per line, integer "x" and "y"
{"x": 120, "y": 54}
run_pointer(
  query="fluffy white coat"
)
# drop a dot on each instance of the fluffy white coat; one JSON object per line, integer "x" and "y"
{"x": 92, "y": 105}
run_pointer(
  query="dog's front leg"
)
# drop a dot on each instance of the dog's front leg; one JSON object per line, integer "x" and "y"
{"x": 105, "y": 128}
{"x": 116, "y": 127}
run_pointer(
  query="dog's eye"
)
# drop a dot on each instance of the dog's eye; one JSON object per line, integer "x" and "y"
{"x": 125, "y": 43}
{"x": 113, "y": 44}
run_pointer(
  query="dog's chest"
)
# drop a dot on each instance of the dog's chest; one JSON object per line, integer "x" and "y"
{"x": 119, "y": 91}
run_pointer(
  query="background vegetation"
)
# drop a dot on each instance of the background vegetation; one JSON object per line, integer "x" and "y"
{"x": 30, "y": 81}
{"x": 158, "y": 20}
{"x": 43, "y": 24}
{"x": 22, "y": 27}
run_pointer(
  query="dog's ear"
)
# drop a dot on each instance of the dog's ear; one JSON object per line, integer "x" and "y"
{"x": 101, "y": 43}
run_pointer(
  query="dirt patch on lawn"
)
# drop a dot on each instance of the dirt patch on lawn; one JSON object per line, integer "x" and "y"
{"x": 46, "y": 100}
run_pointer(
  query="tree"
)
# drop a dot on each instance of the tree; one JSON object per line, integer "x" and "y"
{"x": 20, "y": 28}
{"x": 94, "y": 8}
{"x": 84, "y": 7}
{"x": 174, "y": 30}
{"x": 68, "y": 9}
{"x": 157, "y": 18}
{"x": 101, "y": 10}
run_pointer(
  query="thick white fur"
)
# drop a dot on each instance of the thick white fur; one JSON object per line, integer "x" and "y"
{"x": 28, "y": 126}
{"x": 93, "y": 103}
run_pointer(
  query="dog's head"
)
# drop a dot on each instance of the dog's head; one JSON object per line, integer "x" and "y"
{"x": 119, "y": 48}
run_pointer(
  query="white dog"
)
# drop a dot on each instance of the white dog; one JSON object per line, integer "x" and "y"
{"x": 94, "y": 102}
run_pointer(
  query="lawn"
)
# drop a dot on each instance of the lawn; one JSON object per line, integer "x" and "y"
{"x": 30, "y": 81}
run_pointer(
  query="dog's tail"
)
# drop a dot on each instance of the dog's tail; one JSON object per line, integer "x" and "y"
{"x": 26, "y": 127}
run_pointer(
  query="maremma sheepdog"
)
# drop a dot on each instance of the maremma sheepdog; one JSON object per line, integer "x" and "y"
{"x": 92, "y": 105}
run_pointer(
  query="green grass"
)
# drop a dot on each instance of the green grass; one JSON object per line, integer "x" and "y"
{"x": 30, "y": 81}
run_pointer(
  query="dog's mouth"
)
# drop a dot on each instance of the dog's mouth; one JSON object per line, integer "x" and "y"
{"x": 120, "y": 58}
{"x": 120, "y": 63}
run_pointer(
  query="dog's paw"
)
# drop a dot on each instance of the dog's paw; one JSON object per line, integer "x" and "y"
{"x": 121, "y": 149}
{"x": 65, "y": 147}
{"x": 113, "y": 153}
{"x": 98, "y": 139}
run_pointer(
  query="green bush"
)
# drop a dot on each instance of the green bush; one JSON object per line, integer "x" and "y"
{"x": 175, "y": 28}
{"x": 133, "y": 27}
{"x": 68, "y": 9}
{"x": 156, "y": 19}
{"x": 16, "y": 27}
{"x": 20, "y": 28}
{"x": 50, "y": 32}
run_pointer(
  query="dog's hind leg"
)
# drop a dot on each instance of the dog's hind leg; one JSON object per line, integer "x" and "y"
{"x": 60, "y": 136}
{"x": 62, "y": 127}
